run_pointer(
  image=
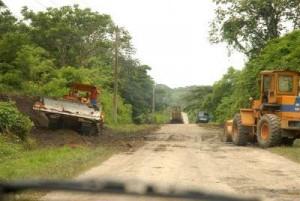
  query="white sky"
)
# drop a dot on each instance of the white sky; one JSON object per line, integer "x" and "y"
{"x": 171, "y": 36}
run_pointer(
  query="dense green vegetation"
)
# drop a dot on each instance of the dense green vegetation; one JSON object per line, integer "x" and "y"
{"x": 177, "y": 95}
{"x": 46, "y": 52}
{"x": 237, "y": 86}
{"x": 254, "y": 28}
{"x": 194, "y": 103}
{"x": 24, "y": 160}
{"x": 12, "y": 121}
{"x": 247, "y": 25}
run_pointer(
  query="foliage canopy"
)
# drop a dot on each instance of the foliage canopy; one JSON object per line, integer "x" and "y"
{"x": 247, "y": 25}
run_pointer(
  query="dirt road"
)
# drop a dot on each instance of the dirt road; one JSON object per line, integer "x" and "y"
{"x": 191, "y": 156}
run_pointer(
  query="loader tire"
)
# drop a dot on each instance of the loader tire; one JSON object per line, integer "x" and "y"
{"x": 223, "y": 136}
{"x": 86, "y": 128}
{"x": 269, "y": 131}
{"x": 90, "y": 129}
{"x": 240, "y": 134}
{"x": 98, "y": 129}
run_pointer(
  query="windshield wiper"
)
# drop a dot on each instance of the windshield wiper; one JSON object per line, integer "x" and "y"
{"x": 113, "y": 187}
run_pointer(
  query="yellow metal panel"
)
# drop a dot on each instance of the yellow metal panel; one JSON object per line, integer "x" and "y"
{"x": 279, "y": 100}
{"x": 247, "y": 117}
{"x": 295, "y": 115}
{"x": 288, "y": 100}
{"x": 229, "y": 127}
{"x": 256, "y": 104}
{"x": 256, "y": 108}
{"x": 284, "y": 123}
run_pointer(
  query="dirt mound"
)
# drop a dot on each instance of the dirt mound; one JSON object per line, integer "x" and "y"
{"x": 45, "y": 137}
{"x": 120, "y": 141}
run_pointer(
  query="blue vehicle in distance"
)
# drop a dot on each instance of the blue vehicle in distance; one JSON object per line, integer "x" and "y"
{"x": 202, "y": 117}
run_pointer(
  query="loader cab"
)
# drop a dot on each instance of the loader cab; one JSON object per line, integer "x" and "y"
{"x": 278, "y": 84}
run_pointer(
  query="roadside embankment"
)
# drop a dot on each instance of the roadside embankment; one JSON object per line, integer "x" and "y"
{"x": 62, "y": 153}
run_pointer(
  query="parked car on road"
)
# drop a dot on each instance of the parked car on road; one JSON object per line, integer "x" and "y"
{"x": 202, "y": 117}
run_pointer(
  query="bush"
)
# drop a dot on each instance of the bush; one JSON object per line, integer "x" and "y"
{"x": 12, "y": 121}
{"x": 13, "y": 79}
{"x": 124, "y": 110}
{"x": 162, "y": 117}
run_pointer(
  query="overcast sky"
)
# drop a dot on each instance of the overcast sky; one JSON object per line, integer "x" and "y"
{"x": 171, "y": 36}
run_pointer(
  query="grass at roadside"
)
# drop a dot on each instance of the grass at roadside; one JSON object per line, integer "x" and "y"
{"x": 163, "y": 117}
{"x": 21, "y": 161}
{"x": 43, "y": 157}
{"x": 292, "y": 153}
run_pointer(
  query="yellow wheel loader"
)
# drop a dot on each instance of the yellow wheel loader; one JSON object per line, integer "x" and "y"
{"x": 274, "y": 118}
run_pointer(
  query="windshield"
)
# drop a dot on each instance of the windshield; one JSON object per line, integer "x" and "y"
{"x": 285, "y": 83}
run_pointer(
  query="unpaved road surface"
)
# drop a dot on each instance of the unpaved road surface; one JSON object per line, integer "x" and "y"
{"x": 191, "y": 156}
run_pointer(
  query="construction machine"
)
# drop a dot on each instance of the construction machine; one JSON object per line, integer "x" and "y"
{"x": 74, "y": 110}
{"x": 274, "y": 118}
{"x": 176, "y": 116}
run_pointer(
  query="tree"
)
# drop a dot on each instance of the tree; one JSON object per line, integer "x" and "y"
{"x": 162, "y": 97}
{"x": 279, "y": 53}
{"x": 35, "y": 64}
{"x": 55, "y": 48}
{"x": 10, "y": 44}
{"x": 8, "y": 23}
{"x": 247, "y": 25}
{"x": 73, "y": 35}
{"x": 215, "y": 99}
{"x": 136, "y": 86}
{"x": 196, "y": 97}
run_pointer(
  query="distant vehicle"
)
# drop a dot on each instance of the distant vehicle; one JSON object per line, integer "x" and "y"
{"x": 73, "y": 110}
{"x": 202, "y": 117}
{"x": 176, "y": 117}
